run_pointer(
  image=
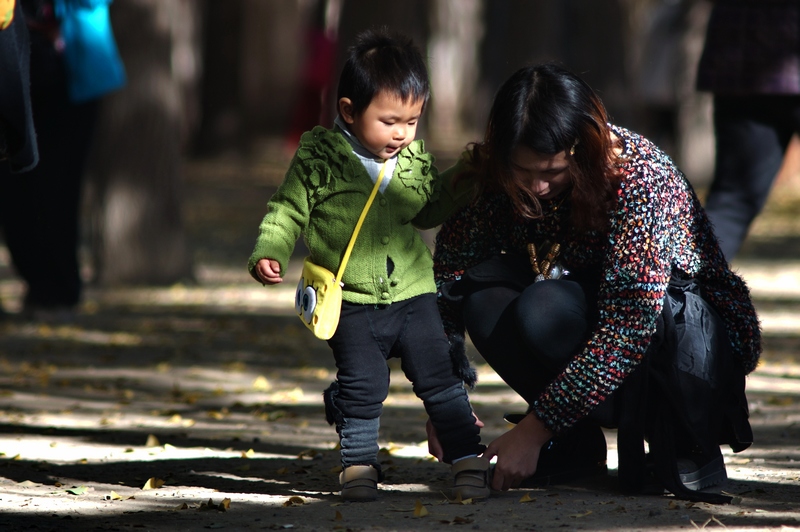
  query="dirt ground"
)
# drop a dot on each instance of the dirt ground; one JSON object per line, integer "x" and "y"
{"x": 198, "y": 406}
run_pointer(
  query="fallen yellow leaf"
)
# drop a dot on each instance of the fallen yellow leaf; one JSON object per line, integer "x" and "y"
{"x": 294, "y": 501}
{"x": 338, "y": 516}
{"x": 153, "y": 483}
{"x": 261, "y": 384}
{"x": 526, "y": 498}
{"x": 152, "y": 441}
{"x": 208, "y": 505}
{"x": 248, "y": 454}
{"x": 419, "y": 509}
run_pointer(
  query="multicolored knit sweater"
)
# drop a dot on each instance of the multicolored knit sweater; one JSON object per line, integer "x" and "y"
{"x": 658, "y": 227}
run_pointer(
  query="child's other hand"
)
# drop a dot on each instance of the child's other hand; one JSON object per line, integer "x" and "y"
{"x": 269, "y": 271}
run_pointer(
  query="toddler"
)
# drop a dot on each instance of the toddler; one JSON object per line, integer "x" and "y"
{"x": 389, "y": 304}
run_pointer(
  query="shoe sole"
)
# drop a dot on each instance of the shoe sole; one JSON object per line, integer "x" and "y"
{"x": 360, "y": 494}
{"x": 711, "y": 474}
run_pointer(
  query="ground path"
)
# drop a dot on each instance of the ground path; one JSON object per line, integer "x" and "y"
{"x": 209, "y": 393}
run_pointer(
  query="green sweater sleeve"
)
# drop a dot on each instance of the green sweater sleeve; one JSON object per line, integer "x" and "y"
{"x": 455, "y": 189}
{"x": 287, "y": 217}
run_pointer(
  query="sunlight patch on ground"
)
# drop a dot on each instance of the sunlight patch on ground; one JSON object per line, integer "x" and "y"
{"x": 78, "y": 335}
{"x": 770, "y": 279}
{"x": 61, "y": 449}
{"x": 759, "y": 381}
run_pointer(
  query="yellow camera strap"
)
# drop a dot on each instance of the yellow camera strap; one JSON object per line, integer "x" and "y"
{"x": 360, "y": 222}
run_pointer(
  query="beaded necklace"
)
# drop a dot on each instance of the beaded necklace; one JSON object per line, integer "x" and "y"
{"x": 547, "y": 268}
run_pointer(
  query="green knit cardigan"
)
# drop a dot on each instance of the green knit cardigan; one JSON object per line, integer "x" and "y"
{"x": 321, "y": 197}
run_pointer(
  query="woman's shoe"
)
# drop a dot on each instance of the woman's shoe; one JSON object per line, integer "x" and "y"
{"x": 693, "y": 474}
{"x": 471, "y": 478}
{"x": 359, "y": 483}
{"x": 697, "y": 477}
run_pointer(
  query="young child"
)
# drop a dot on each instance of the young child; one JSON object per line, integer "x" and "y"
{"x": 389, "y": 307}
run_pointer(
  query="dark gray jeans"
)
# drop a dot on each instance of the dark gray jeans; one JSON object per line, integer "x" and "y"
{"x": 752, "y": 133}
{"x": 411, "y": 330}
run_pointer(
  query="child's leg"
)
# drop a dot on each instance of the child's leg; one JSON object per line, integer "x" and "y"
{"x": 425, "y": 359}
{"x": 355, "y": 401}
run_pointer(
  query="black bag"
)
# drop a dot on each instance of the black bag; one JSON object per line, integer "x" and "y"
{"x": 686, "y": 399}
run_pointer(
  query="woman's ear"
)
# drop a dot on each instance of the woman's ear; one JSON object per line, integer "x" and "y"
{"x": 346, "y": 110}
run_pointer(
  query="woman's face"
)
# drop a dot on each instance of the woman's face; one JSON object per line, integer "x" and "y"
{"x": 546, "y": 176}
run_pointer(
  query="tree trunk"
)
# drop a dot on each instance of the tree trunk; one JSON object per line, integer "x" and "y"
{"x": 135, "y": 171}
{"x": 454, "y": 49}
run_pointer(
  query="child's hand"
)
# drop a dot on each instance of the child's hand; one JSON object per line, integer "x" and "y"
{"x": 434, "y": 445}
{"x": 269, "y": 271}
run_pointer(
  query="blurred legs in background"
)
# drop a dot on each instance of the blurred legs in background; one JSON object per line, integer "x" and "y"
{"x": 753, "y": 133}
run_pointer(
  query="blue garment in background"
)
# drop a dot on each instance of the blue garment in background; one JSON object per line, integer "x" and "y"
{"x": 93, "y": 63}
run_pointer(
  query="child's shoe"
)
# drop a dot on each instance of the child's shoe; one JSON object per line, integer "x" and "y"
{"x": 359, "y": 483}
{"x": 471, "y": 478}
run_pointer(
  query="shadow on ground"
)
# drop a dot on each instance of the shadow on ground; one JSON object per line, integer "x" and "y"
{"x": 221, "y": 400}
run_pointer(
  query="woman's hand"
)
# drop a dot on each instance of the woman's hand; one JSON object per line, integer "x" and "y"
{"x": 517, "y": 452}
{"x": 269, "y": 271}
{"x": 434, "y": 445}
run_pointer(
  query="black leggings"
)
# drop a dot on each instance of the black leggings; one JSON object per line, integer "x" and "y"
{"x": 528, "y": 336}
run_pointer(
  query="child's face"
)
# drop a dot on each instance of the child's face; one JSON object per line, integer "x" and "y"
{"x": 386, "y": 126}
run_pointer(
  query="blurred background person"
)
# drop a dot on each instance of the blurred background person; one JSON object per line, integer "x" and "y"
{"x": 316, "y": 74}
{"x": 751, "y": 64}
{"x": 17, "y": 136}
{"x": 73, "y": 62}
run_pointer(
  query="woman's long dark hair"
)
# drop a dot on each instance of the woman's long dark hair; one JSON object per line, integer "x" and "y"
{"x": 549, "y": 110}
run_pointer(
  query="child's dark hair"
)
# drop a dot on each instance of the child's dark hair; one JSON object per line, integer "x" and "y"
{"x": 380, "y": 61}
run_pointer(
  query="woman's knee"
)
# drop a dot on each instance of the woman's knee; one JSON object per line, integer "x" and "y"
{"x": 552, "y": 317}
{"x": 486, "y": 311}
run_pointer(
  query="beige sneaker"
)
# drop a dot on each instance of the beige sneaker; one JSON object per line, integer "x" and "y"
{"x": 359, "y": 483}
{"x": 471, "y": 478}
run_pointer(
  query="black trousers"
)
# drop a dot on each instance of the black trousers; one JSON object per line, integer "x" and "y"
{"x": 40, "y": 209}
{"x": 752, "y": 133}
{"x": 411, "y": 330}
{"x": 527, "y": 335}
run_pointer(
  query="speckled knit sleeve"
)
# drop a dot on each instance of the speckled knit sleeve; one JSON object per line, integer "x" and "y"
{"x": 636, "y": 271}
{"x": 658, "y": 227}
